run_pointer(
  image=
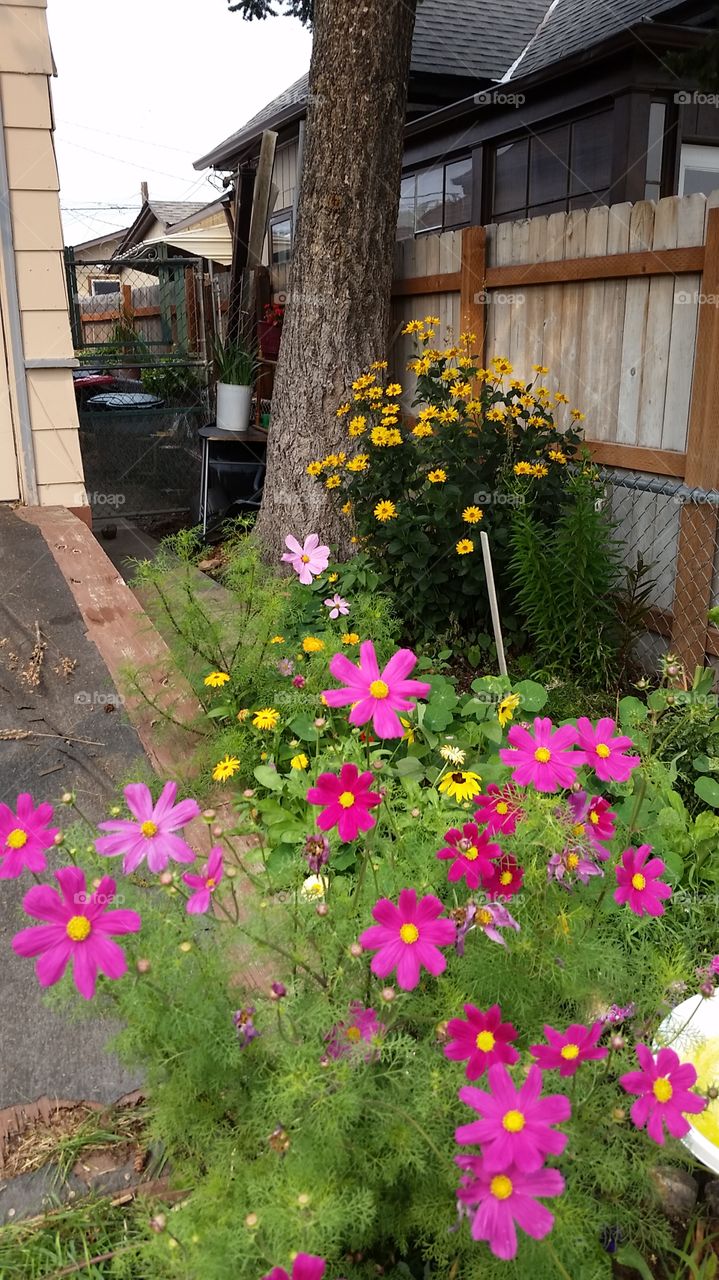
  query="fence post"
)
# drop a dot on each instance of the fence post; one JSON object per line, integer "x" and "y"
{"x": 699, "y": 523}
{"x": 472, "y": 295}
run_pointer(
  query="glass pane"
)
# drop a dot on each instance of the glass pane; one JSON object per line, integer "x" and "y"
{"x": 281, "y": 241}
{"x": 510, "y": 177}
{"x": 405, "y": 221}
{"x": 655, "y": 148}
{"x": 591, "y": 154}
{"x": 703, "y": 180}
{"x": 458, "y": 192}
{"x": 548, "y": 166}
{"x": 430, "y": 193}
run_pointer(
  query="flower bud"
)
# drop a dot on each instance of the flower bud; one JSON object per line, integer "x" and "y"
{"x": 59, "y": 839}
{"x": 388, "y": 994}
{"x": 166, "y": 877}
{"x": 616, "y": 1043}
{"x": 322, "y": 909}
{"x": 67, "y": 797}
{"x": 158, "y": 1223}
{"x": 277, "y": 990}
{"x": 619, "y": 1115}
{"x": 319, "y": 722}
{"x": 115, "y": 811}
{"x": 209, "y": 815}
{"x": 143, "y": 965}
{"x": 356, "y": 950}
{"x": 185, "y": 946}
{"x": 414, "y": 813}
{"x": 303, "y": 1199}
{"x": 712, "y": 1092}
{"x": 217, "y": 831}
{"x": 251, "y": 1220}
{"x": 248, "y": 793}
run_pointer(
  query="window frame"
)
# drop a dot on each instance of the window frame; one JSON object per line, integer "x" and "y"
{"x": 104, "y": 293}
{"x": 442, "y": 166}
{"x": 281, "y": 215}
{"x": 694, "y": 147}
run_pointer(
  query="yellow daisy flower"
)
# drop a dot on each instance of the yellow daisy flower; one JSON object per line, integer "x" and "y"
{"x": 461, "y": 785}
{"x": 266, "y": 718}
{"x": 461, "y": 390}
{"x": 539, "y": 471}
{"x": 507, "y": 708}
{"x": 472, "y": 515}
{"x": 378, "y": 364}
{"x": 414, "y": 326}
{"x": 497, "y": 413}
{"x": 312, "y": 644}
{"x": 343, "y": 409}
{"x": 393, "y": 389}
{"x": 350, "y": 637}
{"x": 422, "y": 364}
{"x": 299, "y": 761}
{"x": 425, "y": 415}
{"x": 540, "y": 368}
{"x": 578, "y": 416}
{"x": 448, "y": 415}
{"x": 346, "y": 509}
{"x": 522, "y": 469}
{"x": 378, "y": 436}
{"x": 333, "y": 481}
{"x": 216, "y": 679}
{"x": 360, "y": 463}
{"x": 374, "y": 393}
{"x": 225, "y": 769}
{"x": 314, "y": 469}
{"x": 438, "y": 476}
{"x": 474, "y": 406}
{"x": 385, "y": 511}
{"x": 421, "y": 430}
{"x": 409, "y": 735}
{"x": 277, "y": 640}
{"x": 332, "y": 577}
{"x": 560, "y": 397}
{"x": 501, "y": 365}
{"x": 557, "y": 455}
{"x": 464, "y": 547}
{"x": 358, "y": 425}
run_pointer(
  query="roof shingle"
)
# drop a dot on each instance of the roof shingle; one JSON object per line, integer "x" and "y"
{"x": 573, "y": 25}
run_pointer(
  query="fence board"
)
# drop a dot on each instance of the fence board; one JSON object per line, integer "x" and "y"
{"x": 683, "y": 322}
{"x": 590, "y": 390}
{"x": 641, "y": 230}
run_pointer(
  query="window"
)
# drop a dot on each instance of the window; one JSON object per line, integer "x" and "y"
{"x": 655, "y": 151}
{"x": 564, "y": 168}
{"x": 281, "y": 238}
{"x": 698, "y": 170}
{"x": 436, "y": 198}
{"x": 104, "y": 286}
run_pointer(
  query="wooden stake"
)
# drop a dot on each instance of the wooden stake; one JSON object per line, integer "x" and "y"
{"x": 493, "y": 603}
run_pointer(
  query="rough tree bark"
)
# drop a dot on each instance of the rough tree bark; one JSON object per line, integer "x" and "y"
{"x": 337, "y": 320}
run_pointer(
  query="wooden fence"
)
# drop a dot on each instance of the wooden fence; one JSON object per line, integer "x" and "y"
{"x": 622, "y": 304}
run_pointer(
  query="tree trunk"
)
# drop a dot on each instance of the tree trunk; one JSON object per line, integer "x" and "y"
{"x": 337, "y": 320}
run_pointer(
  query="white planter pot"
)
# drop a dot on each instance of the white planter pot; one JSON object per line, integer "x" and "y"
{"x": 692, "y": 1031}
{"x": 233, "y": 407}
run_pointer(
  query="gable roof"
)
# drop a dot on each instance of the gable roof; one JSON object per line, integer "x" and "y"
{"x": 572, "y": 26}
{"x": 166, "y": 212}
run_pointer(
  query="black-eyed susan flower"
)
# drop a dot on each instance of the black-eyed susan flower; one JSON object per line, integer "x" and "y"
{"x": 358, "y": 425}
{"x": 266, "y": 718}
{"x": 464, "y": 547}
{"x": 333, "y": 481}
{"x": 314, "y": 469}
{"x": 501, "y": 366}
{"x": 216, "y": 679}
{"x": 385, "y": 510}
{"x": 507, "y": 708}
{"x": 577, "y": 415}
{"x": 461, "y": 785}
{"x": 522, "y": 468}
{"x": 438, "y": 476}
{"x": 225, "y": 768}
{"x": 393, "y": 389}
{"x": 472, "y": 515}
{"x": 540, "y": 368}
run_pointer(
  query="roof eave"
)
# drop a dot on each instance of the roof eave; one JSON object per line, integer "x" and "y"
{"x": 229, "y": 150}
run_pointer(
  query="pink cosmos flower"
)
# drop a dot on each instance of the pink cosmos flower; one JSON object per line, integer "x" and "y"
{"x": 337, "y": 606}
{"x": 572, "y": 864}
{"x": 407, "y": 937}
{"x": 347, "y": 1038}
{"x": 308, "y": 561}
{"x": 471, "y": 854}
{"x": 663, "y": 1086}
{"x": 306, "y": 1266}
{"x": 79, "y": 927}
{"x": 639, "y": 884}
{"x": 593, "y": 820}
{"x": 152, "y": 836}
{"x": 516, "y": 1125}
{"x": 714, "y": 964}
{"x": 567, "y": 1049}
{"x": 347, "y": 799}
{"x": 603, "y": 752}
{"x": 376, "y": 695}
{"x": 24, "y": 836}
{"x": 507, "y": 877}
{"x": 491, "y": 917}
{"x": 503, "y": 1199}
{"x": 499, "y": 809}
{"x": 482, "y": 1039}
{"x": 545, "y": 761}
{"x": 204, "y": 884}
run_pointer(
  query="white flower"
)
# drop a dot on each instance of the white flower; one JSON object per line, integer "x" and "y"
{"x": 454, "y": 755}
{"x": 313, "y": 888}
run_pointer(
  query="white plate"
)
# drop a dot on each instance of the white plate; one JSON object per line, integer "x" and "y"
{"x": 687, "y": 1027}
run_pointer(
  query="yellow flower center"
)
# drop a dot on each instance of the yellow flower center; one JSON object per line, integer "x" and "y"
{"x": 639, "y": 882}
{"x": 542, "y": 754}
{"x": 602, "y": 750}
{"x": 485, "y": 1041}
{"x": 573, "y": 861}
{"x": 484, "y": 916}
{"x": 210, "y": 884}
{"x": 17, "y": 839}
{"x": 506, "y": 877}
{"x": 305, "y": 559}
{"x": 78, "y": 928}
{"x": 148, "y": 830}
{"x": 501, "y": 1187}
{"x": 471, "y": 853}
{"x": 379, "y": 689}
{"x": 353, "y": 1033}
{"x": 578, "y": 829}
{"x": 409, "y": 933}
{"x": 569, "y": 1052}
{"x": 594, "y": 818}
{"x": 662, "y": 1089}
{"x": 513, "y": 1121}
{"x": 347, "y": 799}
{"x": 502, "y": 807}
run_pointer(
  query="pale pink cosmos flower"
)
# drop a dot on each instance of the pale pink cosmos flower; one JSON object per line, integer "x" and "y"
{"x": 517, "y": 1123}
{"x": 24, "y": 837}
{"x": 152, "y": 836}
{"x": 491, "y": 917}
{"x": 604, "y": 752}
{"x": 545, "y": 761}
{"x": 337, "y": 606}
{"x": 572, "y": 864}
{"x": 204, "y": 884}
{"x": 78, "y": 927}
{"x": 373, "y": 694}
{"x": 407, "y": 937}
{"x": 500, "y": 1200}
{"x": 308, "y": 560}
{"x": 360, "y": 1034}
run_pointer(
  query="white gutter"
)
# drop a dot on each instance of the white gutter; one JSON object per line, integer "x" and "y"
{"x": 14, "y": 327}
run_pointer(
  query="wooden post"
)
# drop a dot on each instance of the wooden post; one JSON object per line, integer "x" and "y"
{"x": 471, "y": 286}
{"x": 699, "y": 522}
{"x": 191, "y": 308}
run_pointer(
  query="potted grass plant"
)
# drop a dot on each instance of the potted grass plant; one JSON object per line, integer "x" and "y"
{"x": 235, "y": 368}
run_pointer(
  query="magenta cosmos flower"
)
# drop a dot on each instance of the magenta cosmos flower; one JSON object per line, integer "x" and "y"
{"x": 407, "y": 937}
{"x": 499, "y": 810}
{"x": 152, "y": 836}
{"x": 567, "y": 1049}
{"x": 204, "y": 884}
{"x": 480, "y": 1039}
{"x": 78, "y": 927}
{"x": 603, "y": 751}
{"x": 347, "y": 799}
{"x": 308, "y": 560}
{"x": 517, "y": 1123}
{"x": 638, "y": 882}
{"x": 360, "y": 1033}
{"x": 503, "y": 1199}
{"x": 507, "y": 877}
{"x": 338, "y": 607}
{"x": 663, "y": 1086}
{"x": 24, "y": 837}
{"x": 376, "y": 695}
{"x": 471, "y": 853}
{"x": 546, "y": 760}
{"x": 306, "y": 1266}
{"x": 593, "y": 820}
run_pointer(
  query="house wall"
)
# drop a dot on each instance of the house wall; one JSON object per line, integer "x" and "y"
{"x": 36, "y": 380}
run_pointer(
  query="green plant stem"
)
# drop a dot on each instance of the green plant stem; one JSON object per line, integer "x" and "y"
{"x": 286, "y": 955}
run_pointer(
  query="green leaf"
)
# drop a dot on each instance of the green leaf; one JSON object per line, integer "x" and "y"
{"x": 269, "y": 778}
{"x": 631, "y": 711}
{"x": 708, "y": 791}
{"x": 302, "y": 727}
{"x": 533, "y": 695}
{"x": 410, "y": 766}
{"x": 632, "y": 1258}
{"x": 218, "y": 713}
{"x": 701, "y": 764}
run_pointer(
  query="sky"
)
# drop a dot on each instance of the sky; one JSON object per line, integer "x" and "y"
{"x": 144, "y": 87}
